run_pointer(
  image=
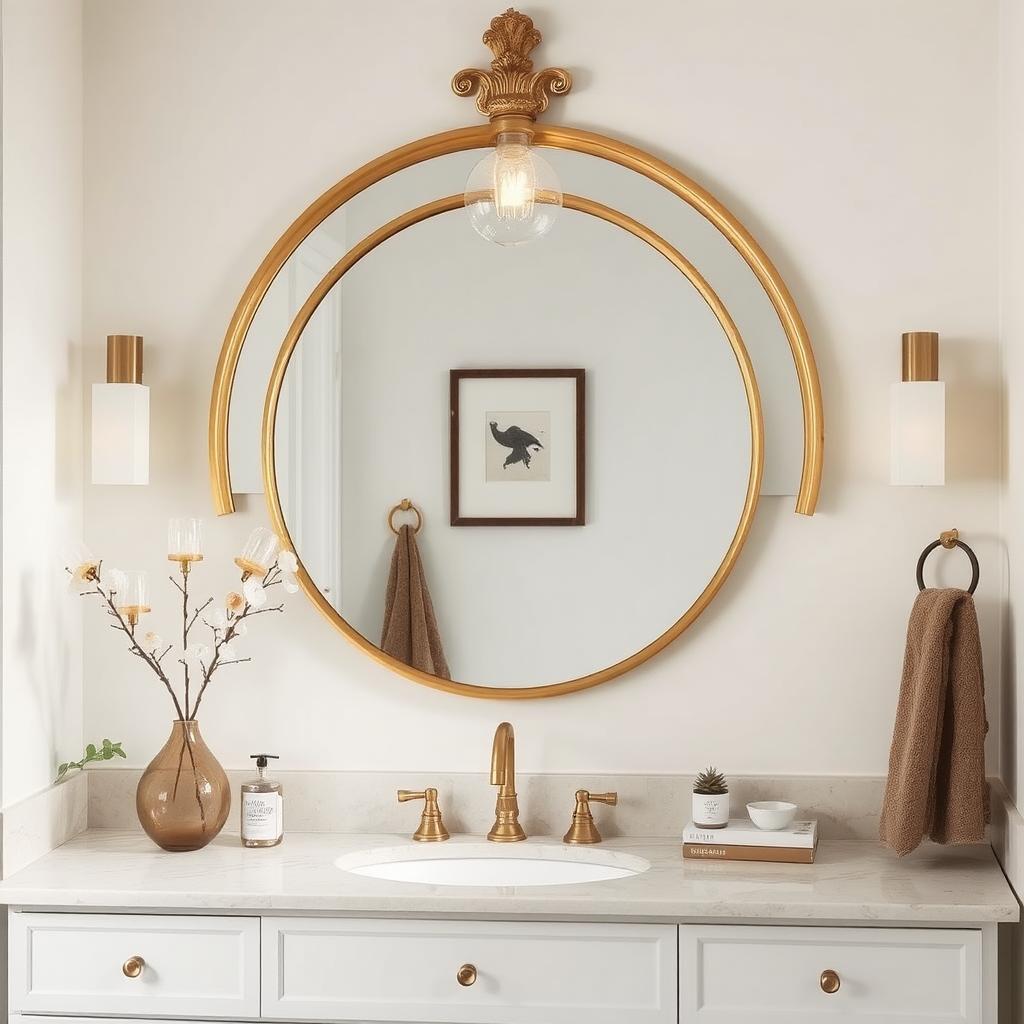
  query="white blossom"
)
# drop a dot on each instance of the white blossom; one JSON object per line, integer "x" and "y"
{"x": 254, "y": 592}
{"x": 83, "y": 576}
{"x": 196, "y": 653}
{"x": 151, "y": 641}
{"x": 290, "y": 582}
{"x": 287, "y": 562}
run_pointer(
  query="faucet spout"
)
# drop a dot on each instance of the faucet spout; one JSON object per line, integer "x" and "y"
{"x": 503, "y": 759}
{"x": 506, "y": 827}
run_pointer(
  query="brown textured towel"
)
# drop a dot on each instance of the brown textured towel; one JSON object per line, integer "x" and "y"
{"x": 936, "y": 783}
{"x": 410, "y": 627}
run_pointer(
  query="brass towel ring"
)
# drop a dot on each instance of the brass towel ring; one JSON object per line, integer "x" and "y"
{"x": 405, "y": 505}
{"x": 949, "y": 539}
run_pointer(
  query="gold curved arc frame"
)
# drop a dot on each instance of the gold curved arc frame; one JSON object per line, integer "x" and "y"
{"x": 746, "y": 369}
{"x": 559, "y": 137}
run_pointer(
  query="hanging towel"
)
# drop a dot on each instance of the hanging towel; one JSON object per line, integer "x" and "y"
{"x": 410, "y": 628}
{"x": 936, "y": 783}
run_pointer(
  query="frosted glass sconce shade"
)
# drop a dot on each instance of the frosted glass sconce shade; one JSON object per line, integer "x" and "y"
{"x": 918, "y": 415}
{"x": 185, "y": 540}
{"x": 259, "y": 553}
{"x": 120, "y": 416}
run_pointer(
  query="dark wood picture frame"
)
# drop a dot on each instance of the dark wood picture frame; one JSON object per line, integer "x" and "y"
{"x": 579, "y": 519}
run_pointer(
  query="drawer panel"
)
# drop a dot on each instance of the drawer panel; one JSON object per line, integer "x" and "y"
{"x": 193, "y": 966}
{"x": 526, "y": 973}
{"x": 746, "y": 974}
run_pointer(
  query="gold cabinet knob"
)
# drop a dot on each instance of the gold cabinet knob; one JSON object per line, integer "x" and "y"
{"x": 829, "y": 982}
{"x": 132, "y": 967}
{"x": 466, "y": 975}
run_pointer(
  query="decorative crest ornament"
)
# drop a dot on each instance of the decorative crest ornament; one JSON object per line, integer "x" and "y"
{"x": 512, "y": 88}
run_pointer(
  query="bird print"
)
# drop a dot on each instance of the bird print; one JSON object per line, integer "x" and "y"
{"x": 519, "y": 440}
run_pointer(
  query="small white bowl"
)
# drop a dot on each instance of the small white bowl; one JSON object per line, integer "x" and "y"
{"x": 771, "y": 815}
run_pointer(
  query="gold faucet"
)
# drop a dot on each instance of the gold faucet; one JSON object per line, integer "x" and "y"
{"x": 506, "y": 827}
{"x": 583, "y": 830}
{"x": 431, "y": 828}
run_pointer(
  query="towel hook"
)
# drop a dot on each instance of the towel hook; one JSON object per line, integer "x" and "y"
{"x": 405, "y": 505}
{"x": 949, "y": 539}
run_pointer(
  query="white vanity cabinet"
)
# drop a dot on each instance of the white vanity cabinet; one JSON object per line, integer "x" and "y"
{"x": 90, "y": 966}
{"x": 136, "y": 964}
{"x": 477, "y": 972}
{"x": 739, "y": 974}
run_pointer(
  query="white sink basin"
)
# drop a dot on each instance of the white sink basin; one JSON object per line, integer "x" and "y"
{"x": 491, "y": 864}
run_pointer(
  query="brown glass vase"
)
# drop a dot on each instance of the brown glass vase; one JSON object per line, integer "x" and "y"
{"x": 183, "y": 797}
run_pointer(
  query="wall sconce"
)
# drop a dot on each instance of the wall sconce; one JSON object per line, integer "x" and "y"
{"x": 513, "y": 195}
{"x": 120, "y": 416}
{"x": 918, "y": 414}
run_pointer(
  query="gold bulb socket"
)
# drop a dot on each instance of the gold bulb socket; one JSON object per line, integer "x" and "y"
{"x": 133, "y": 612}
{"x": 250, "y": 568}
{"x": 920, "y": 356}
{"x": 512, "y": 124}
{"x": 124, "y": 358}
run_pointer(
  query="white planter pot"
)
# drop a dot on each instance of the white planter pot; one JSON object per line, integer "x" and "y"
{"x": 711, "y": 811}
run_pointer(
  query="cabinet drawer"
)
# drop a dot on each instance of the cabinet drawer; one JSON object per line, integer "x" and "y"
{"x": 746, "y": 974}
{"x": 525, "y": 973}
{"x": 193, "y": 966}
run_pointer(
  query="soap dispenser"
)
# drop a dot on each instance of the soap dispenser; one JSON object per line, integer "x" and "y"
{"x": 262, "y": 807}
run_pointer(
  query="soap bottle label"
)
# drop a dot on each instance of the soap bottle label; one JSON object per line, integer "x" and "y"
{"x": 261, "y": 816}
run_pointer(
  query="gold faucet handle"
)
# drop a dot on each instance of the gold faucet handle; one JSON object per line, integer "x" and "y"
{"x": 583, "y": 831}
{"x": 431, "y": 828}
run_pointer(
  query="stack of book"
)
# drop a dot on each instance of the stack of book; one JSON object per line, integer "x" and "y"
{"x": 741, "y": 839}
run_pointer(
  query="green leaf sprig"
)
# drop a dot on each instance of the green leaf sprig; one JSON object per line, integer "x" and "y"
{"x": 106, "y": 751}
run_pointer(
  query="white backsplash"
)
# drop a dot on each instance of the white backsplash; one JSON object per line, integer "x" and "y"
{"x": 649, "y": 805}
{"x": 43, "y": 821}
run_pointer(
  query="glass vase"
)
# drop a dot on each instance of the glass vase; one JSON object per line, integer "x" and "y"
{"x": 183, "y": 797}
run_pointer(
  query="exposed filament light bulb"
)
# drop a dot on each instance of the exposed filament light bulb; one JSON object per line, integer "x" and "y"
{"x": 513, "y": 195}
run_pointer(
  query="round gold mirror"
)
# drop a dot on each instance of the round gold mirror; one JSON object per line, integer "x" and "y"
{"x": 406, "y": 358}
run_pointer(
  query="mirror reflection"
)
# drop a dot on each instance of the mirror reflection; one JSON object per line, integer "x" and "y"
{"x": 621, "y": 368}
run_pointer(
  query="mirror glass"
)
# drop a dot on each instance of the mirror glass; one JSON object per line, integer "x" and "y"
{"x": 582, "y": 174}
{"x": 364, "y": 420}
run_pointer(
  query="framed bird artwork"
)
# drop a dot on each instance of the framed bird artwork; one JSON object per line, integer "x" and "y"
{"x": 518, "y": 447}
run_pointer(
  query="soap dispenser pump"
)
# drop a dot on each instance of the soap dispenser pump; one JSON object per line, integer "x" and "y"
{"x": 262, "y": 807}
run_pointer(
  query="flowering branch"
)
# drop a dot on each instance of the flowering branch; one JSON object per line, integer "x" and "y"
{"x": 129, "y": 631}
{"x": 227, "y": 626}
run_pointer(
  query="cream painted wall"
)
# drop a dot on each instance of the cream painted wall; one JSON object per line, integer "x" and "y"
{"x": 1011, "y": 315}
{"x": 1011, "y": 330}
{"x": 871, "y": 184}
{"x": 42, "y": 387}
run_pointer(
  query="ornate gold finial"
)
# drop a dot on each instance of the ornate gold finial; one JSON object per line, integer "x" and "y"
{"x": 512, "y": 87}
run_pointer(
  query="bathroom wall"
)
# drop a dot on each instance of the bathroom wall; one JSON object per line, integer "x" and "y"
{"x": 1009, "y": 834}
{"x": 42, "y": 388}
{"x": 870, "y": 183}
{"x": 1011, "y": 313}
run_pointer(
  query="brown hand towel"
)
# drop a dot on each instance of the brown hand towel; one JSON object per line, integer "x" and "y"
{"x": 936, "y": 783}
{"x": 410, "y": 627}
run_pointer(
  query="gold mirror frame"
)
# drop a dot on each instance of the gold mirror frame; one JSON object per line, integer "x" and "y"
{"x": 558, "y": 137}
{"x": 291, "y": 340}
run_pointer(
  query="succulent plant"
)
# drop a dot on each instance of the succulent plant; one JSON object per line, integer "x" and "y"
{"x": 710, "y": 782}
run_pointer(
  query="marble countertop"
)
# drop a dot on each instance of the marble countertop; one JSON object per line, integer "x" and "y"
{"x": 852, "y": 880}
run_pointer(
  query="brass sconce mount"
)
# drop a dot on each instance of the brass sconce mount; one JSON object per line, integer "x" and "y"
{"x": 511, "y": 88}
{"x": 920, "y": 352}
